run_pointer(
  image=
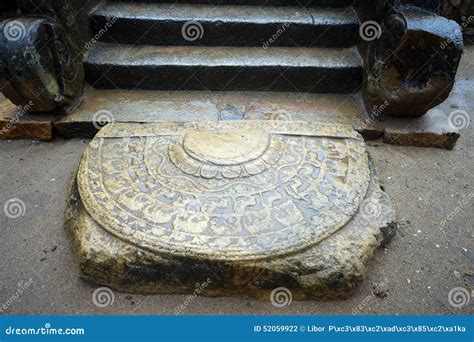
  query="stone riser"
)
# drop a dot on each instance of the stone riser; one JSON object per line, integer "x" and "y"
{"x": 328, "y": 3}
{"x": 226, "y": 25}
{"x": 226, "y": 78}
{"x": 156, "y": 68}
{"x": 232, "y": 34}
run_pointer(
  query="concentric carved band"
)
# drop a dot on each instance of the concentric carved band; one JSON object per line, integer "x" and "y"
{"x": 225, "y": 155}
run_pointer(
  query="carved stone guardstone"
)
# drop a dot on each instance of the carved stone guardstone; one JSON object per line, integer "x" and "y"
{"x": 412, "y": 67}
{"x": 244, "y": 206}
{"x": 39, "y": 69}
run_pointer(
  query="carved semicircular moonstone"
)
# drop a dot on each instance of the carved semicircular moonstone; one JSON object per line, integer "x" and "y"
{"x": 224, "y": 190}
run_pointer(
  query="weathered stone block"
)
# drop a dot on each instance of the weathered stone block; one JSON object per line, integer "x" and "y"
{"x": 17, "y": 123}
{"x": 252, "y": 206}
{"x": 413, "y": 65}
{"x": 38, "y": 66}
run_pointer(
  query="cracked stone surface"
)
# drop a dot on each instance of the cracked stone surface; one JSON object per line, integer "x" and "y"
{"x": 249, "y": 205}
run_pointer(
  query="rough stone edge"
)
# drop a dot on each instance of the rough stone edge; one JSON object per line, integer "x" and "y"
{"x": 17, "y": 123}
{"x": 26, "y": 129}
{"x": 410, "y": 131}
{"x": 441, "y": 140}
{"x": 106, "y": 260}
{"x": 446, "y": 140}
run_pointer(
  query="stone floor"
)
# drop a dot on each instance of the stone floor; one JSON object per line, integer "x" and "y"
{"x": 432, "y": 253}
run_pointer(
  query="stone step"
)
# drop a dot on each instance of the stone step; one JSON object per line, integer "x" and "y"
{"x": 153, "y": 106}
{"x": 114, "y": 106}
{"x": 200, "y": 25}
{"x": 224, "y": 68}
{"x": 325, "y": 3}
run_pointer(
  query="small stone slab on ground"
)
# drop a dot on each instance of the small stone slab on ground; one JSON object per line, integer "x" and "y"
{"x": 430, "y": 130}
{"x": 15, "y": 123}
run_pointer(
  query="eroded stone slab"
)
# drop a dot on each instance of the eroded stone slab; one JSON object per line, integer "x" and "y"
{"x": 244, "y": 206}
{"x": 16, "y": 123}
{"x": 430, "y": 130}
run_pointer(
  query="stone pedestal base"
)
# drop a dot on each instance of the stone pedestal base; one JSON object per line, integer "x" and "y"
{"x": 228, "y": 209}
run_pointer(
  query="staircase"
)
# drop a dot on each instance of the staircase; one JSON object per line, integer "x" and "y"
{"x": 265, "y": 45}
